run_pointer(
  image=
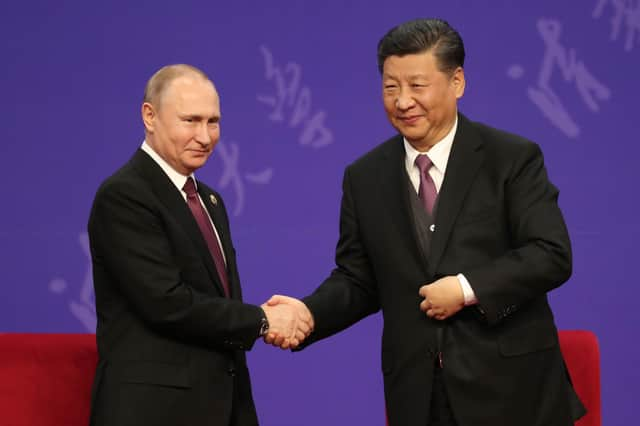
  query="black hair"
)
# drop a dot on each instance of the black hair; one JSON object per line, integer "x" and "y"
{"x": 422, "y": 35}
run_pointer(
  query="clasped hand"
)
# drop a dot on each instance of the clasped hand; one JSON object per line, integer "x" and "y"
{"x": 443, "y": 298}
{"x": 290, "y": 321}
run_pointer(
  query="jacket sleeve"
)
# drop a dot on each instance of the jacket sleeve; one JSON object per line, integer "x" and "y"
{"x": 350, "y": 293}
{"x": 539, "y": 259}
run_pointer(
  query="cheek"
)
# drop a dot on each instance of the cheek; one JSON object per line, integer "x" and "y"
{"x": 181, "y": 136}
{"x": 426, "y": 101}
{"x": 389, "y": 106}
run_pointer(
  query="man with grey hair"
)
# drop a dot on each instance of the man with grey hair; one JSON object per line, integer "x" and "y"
{"x": 172, "y": 328}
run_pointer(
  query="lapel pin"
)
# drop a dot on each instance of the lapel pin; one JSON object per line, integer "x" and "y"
{"x": 213, "y": 199}
{"x": 432, "y": 228}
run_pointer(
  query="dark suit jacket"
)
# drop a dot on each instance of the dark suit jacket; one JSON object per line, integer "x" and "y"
{"x": 498, "y": 223}
{"x": 171, "y": 346}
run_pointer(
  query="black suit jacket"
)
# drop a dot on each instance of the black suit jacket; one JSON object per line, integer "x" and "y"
{"x": 498, "y": 223}
{"x": 171, "y": 346}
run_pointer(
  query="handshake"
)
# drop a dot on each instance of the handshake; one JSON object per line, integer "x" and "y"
{"x": 290, "y": 321}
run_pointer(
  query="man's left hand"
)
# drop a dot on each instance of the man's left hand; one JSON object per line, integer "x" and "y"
{"x": 442, "y": 298}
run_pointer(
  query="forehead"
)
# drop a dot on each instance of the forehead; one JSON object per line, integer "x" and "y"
{"x": 187, "y": 93}
{"x": 411, "y": 65}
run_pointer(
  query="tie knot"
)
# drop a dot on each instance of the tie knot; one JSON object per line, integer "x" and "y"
{"x": 423, "y": 162}
{"x": 189, "y": 187}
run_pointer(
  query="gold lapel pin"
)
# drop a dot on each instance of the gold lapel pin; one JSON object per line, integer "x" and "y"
{"x": 213, "y": 199}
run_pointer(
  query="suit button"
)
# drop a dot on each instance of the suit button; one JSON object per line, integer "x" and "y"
{"x": 231, "y": 372}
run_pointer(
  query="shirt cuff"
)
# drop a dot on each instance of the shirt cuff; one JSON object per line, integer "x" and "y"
{"x": 467, "y": 291}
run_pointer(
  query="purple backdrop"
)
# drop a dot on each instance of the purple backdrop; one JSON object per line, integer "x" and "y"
{"x": 301, "y": 99}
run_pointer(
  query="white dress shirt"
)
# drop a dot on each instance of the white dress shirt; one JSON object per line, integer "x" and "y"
{"x": 179, "y": 180}
{"x": 439, "y": 156}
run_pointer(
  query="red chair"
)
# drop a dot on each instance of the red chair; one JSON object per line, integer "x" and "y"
{"x": 45, "y": 379}
{"x": 581, "y": 353}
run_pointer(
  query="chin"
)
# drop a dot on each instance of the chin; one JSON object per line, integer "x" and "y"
{"x": 410, "y": 131}
{"x": 195, "y": 164}
{"x": 413, "y": 136}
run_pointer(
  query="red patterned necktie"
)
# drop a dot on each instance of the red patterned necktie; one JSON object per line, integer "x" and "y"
{"x": 427, "y": 192}
{"x": 193, "y": 201}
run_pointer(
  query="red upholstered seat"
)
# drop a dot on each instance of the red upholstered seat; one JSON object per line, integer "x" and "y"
{"x": 582, "y": 355}
{"x": 45, "y": 379}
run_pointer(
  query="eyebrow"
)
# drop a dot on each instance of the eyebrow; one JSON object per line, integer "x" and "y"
{"x": 411, "y": 77}
{"x": 200, "y": 117}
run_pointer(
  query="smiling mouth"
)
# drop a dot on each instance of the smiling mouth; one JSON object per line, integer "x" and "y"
{"x": 199, "y": 154}
{"x": 409, "y": 120}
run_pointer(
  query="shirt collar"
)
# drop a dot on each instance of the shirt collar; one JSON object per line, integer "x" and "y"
{"x": 438, "y": 154}
{"x": 178, "y": 179}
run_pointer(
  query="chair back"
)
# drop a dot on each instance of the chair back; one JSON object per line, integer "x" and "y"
{"x": 582, "y": 355}
{"x": 46, "y": 379}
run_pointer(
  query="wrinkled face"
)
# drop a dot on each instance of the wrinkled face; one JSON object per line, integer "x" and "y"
{"x": 183, "y": 126}
{"x": 420, "y": 100}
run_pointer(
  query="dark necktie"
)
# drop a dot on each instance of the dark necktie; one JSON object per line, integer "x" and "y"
{"x": 427, "y": 192}
{"x": 193, "y": 201}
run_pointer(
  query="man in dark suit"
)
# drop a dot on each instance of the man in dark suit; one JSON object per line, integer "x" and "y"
{"x": 452, "y": 228}
{"x": 172, "y": 327}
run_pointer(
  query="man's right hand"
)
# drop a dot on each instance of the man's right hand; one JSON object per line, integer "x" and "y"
{"x": 290, "y": 321}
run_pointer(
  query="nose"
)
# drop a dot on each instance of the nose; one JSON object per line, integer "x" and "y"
{"x": 203, "y": 136}
{"x": 404, "y": 100}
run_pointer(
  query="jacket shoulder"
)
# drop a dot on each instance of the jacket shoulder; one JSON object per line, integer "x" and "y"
{"x": 501, "y": 140}
{"x": 390, "y": 149}
{"x": 127, "y": 178}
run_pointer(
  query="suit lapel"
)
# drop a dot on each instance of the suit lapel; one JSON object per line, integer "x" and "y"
{"x": 464, "y": 162}
{"x": 393, "y": 184}
{"x": 171, "y": 197}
